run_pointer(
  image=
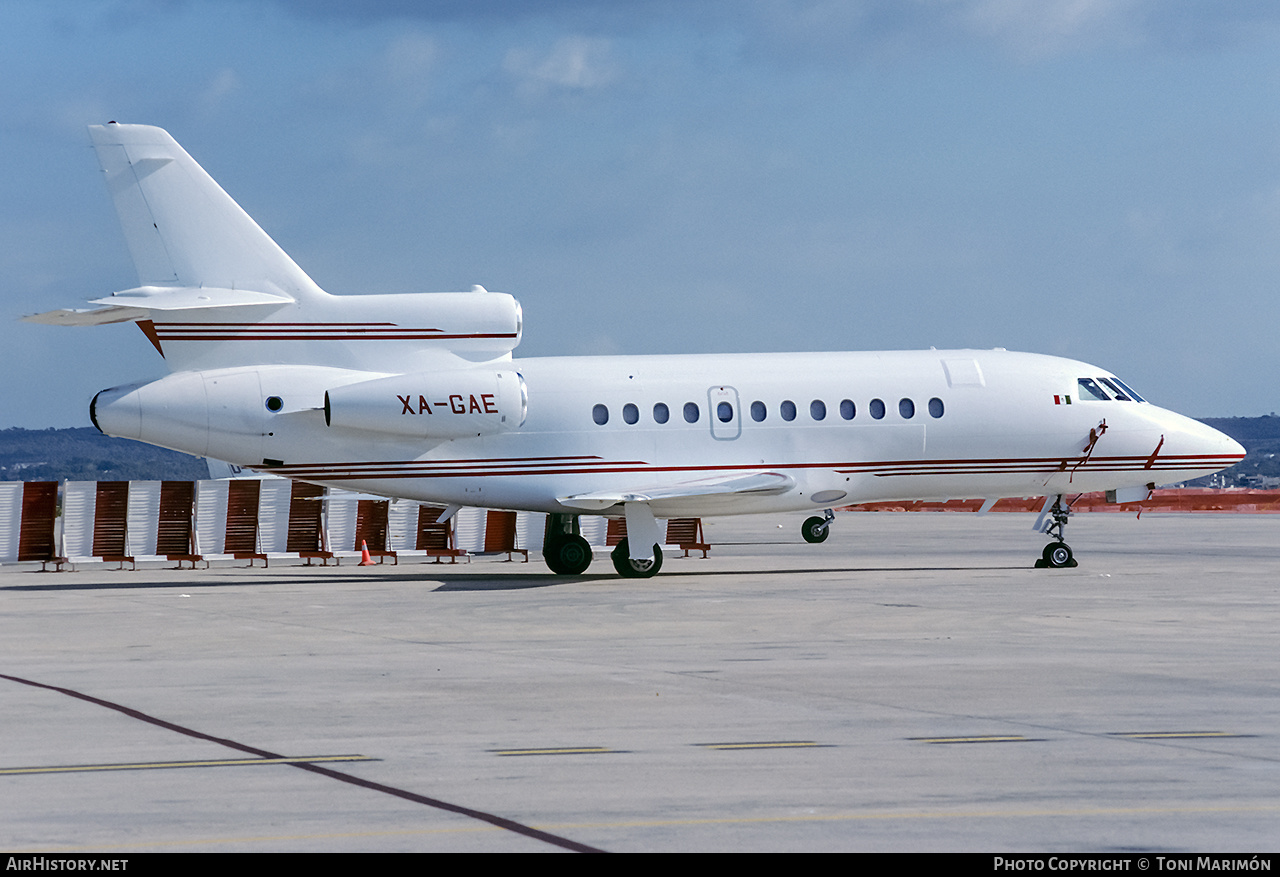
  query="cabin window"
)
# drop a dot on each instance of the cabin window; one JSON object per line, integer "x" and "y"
{"x": 691, "y": 412}
{"x": 600, "y": 414}
{"x": 630, "y": 413}
{"x": 935, "y": 407}
{"x": 724, "y": 412}
{"x": 788, "y": 410}
{"x": 906, "y": 408}
{"x": 877, "y": 409}
{"x": 661, "y": 414}
{"x": 847, "y": 409}
{"x": 274, "y": 404}
{"x": 818, "y": 409}
{"x": 758, "y": 411}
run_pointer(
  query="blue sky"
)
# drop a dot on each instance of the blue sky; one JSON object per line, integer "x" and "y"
{"x": 1090, "y": 178}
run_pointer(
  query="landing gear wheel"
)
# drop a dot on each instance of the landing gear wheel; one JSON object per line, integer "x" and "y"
{"x": 568, "y": 555}
{"x": 815, "y": 529}
{"x": 1057, "y": 555}
{"x": 635, "y": 569}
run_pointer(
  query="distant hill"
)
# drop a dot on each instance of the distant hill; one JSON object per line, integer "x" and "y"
{"x": 1261, "y": 439}
{"x": 84, "y": 454}
{"x": 1242, "y": 429}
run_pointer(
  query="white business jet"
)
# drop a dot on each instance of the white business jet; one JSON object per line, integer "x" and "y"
{"x": 417, "y": 396}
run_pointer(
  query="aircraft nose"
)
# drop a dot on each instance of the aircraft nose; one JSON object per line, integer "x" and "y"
{"x": 1198, "y": 448}
{"x": 1234, "y": 448}
{"x": 1213, "y": 442}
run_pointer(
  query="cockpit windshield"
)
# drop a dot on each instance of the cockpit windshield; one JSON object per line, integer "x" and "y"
{"x": 1132, "y": 395}
{"x": 1092, "y": 389}
{"x": 1089, "y": 389}
{"x": 1116, "y": 392}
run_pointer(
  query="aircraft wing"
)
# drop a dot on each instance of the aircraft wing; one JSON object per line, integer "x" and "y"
{"x": 737, "y": 485}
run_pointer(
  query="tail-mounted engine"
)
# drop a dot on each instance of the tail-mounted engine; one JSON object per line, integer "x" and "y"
{"x": 246, "y": 416}
{"x": 447, "y": 404}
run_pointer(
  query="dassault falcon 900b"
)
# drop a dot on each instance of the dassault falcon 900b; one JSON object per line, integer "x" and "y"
{"x": 417, "y": 396}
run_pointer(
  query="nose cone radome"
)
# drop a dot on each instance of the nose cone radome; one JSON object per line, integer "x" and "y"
{"x": 1196, "y": 448}
{"x": 1215, "y": 443}
{"x": 1234, "y": 448}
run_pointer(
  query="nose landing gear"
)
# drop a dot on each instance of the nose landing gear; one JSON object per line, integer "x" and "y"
{"x": 1056, "y": 555}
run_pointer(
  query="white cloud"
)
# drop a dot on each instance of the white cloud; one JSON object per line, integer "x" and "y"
{"x": 410, "y": 58}
{"x": 575, "y": 63}
{"x": 224, "y": 83}
{"x": 844, "y": 31}
{"x": 409, "y": 63}
{"x": 1033, "y": 28}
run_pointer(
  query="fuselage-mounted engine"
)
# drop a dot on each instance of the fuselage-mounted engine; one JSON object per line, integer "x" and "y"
{"x": 441, "y": 405}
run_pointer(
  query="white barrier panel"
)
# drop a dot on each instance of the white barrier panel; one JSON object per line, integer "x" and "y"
{"x": 468, "y": 530}
{"x": 402, "y": 526}
{"x": 273, "y": 516}
{"x": 143, "y": 518}
{"x": 79, "y": 500}
{"x": 211, "y": 517}
{"x": 342, "y": 508}
{"x": 10, "y": 519}
{"x": 594, "y": 529}
{"x": 531, "y": 529}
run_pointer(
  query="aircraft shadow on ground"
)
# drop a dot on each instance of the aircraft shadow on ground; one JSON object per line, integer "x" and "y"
{"x": 469, "y": 581}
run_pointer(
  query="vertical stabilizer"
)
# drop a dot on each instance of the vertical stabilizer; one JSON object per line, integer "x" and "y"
{"x": 181, "y": 227}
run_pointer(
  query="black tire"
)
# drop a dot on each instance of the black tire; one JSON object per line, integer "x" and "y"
{"x": 568, "y": 556}
{"x": 1058, "y": 555}
{"x": 635, "y": 569}
{"x": 815, "y": 530}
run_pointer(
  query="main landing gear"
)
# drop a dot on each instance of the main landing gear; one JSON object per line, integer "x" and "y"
{"x": 630, "y": 568}
{"x": 568, "y": 554}
{"x": 563, "y": 547}
{"x": 1056, "y": 555}
{"x": 817, "y": 529}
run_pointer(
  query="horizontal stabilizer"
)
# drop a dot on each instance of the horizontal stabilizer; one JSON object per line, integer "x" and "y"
{"x": 90, "y": 317}
{"x": 138, "y": 304}
{"x": 751, "y": 484}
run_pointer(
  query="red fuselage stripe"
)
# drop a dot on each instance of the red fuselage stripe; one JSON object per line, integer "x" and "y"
{"x": 490, "y": 468}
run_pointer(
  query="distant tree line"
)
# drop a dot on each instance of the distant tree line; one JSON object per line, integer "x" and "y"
{"x": 1261, "y": 439}
{"x": 84, "y": 454}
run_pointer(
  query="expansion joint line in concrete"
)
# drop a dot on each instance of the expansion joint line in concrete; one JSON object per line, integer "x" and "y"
{"x": 497, "y": 821}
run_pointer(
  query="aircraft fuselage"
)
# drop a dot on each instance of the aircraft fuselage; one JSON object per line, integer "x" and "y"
{"x": 843, "y": 427}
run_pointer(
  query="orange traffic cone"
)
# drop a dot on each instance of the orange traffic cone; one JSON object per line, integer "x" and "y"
{"x": 365, "y": 559}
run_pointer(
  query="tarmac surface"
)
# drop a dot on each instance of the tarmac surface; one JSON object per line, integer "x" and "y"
{"x": 911, "y": 684}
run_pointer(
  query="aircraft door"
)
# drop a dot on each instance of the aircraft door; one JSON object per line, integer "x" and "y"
{"x": 726, "y": 416}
